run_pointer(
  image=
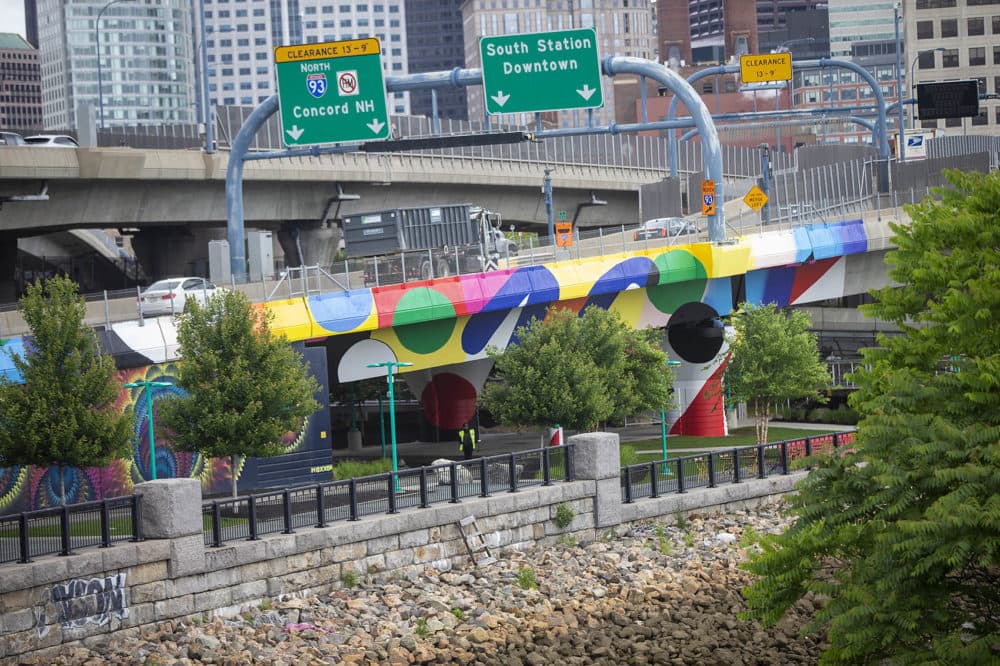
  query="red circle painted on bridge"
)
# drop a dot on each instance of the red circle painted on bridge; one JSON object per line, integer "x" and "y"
{"x": 449, "y": 400}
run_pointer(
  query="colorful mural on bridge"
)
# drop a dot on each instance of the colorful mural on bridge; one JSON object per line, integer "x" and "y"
{"x": 444, "y": 327}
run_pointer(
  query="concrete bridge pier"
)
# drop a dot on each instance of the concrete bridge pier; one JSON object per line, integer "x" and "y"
{"x": 8, "y": 262}
{"x": 173, "y": 251}
{"x": 309, "y": 243}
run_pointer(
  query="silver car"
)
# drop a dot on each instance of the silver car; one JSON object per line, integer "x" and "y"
{"x": 664, "y": 227}
{"x": 171, "y": 296}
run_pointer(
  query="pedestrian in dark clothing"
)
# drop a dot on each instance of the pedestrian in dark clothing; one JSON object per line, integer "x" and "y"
{"x": 467, "y": 440}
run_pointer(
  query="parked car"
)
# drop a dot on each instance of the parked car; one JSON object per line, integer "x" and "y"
{"x": 52, "y": 141}
{"x": 171, "y": 296}
{"x": 664, "y": 227}
{"x": 11, "y": 139}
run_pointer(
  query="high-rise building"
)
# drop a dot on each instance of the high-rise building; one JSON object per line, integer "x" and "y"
{"x": 241, "y": 37}
{"x": 623, "y": 28}
{"x": 435, "y": 43}
{"x": 20, "y": 84}
{"x": 955, "y": 41}
{"x": 861, "y": 27}
{"x": 145, "y": 61}
{"x": 31, "y": 22}
{"x": 693, "y": 33}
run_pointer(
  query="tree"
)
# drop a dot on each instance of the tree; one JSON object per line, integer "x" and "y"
{"x": 245, "y": 388}
{"x": 578, "y": 371}
{"x": 64, "y": 413}
{"x": 774, "y": 357}
{"x": 903, "y": 535}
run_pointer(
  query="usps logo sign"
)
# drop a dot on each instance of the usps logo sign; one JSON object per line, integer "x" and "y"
{"x": 316, "y": 85}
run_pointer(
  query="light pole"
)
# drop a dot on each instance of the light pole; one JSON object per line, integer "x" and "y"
{"x": 899, "y": 83}
{"x": 913, "y": 80}
{"x": 100, "y": 82}
{"x": 206, "y": 106}
{"x": 149, "y": 386}
{"x": 389, "y": 365}
{"x": 547, "y": 192}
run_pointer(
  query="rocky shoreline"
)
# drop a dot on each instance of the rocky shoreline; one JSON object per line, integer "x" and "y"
{"x": 663, "y": 592}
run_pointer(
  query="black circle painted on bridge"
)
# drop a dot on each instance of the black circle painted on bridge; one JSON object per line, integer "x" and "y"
{"x": 695, "y": 332}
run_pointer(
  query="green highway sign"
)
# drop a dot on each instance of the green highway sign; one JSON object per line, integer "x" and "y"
{"x": 332, "y": 92}
{"x": 542, "y": 71}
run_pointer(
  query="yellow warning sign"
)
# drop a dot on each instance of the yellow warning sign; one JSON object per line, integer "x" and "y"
{"x": 755, "y": 198}
{"x": 766, "y": 67}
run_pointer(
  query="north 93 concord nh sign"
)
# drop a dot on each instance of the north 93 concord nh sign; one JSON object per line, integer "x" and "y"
{"x": 332, "y": 92}
{"x": 542, "y": 71}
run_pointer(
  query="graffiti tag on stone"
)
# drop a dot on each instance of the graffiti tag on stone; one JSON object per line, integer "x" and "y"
{"x": 85, "y": 602}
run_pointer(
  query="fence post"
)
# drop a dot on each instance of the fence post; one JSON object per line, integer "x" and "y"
{"x": 761, "y": 472}
{"x": 711, "y": 470}
{"x": 628, "y": 485}
{"x": 64, "y": 531}
{"x": 736, "y": 466}
{"x": 484, "y": 482}
{"x": 512, "y": 473}
{"x": 286, "y": 505}
{"x": 22, "y": 538}
{"x": 784, "y": 456}
{"x": 320, "y": 506}
{"x": 570, "y": 472}
{"x": 453, "y": 478}
{"x": 423, "y": 488}
{"x": 352, "y": 499}
{"x": 105, "y": 525}
{"x": 680, "y": 475}
{"x": 252, "y": 516}
{"x": 546, "y": 471}
{"x": 654, "y": 490}
{"x": 392, "y": 492}
{"x": 216, "y": 525}
{"x": 809, "y": 446}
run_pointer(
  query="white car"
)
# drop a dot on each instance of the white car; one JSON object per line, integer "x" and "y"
{"x": 51, "y": 141}
{"x": 172, "y": 295}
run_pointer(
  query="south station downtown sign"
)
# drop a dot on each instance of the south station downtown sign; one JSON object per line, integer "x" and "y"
{"x": 543, "y": 71}
{"x": 331, "y": 92}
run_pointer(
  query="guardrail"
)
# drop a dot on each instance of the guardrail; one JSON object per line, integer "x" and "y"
{"x": 61, "y": 530}
{"x": 709, "y": 469}
{"x": 283, "y": 511}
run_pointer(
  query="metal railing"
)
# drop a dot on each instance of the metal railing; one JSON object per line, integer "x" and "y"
{"x": 64, "y": 529}
{"x": 709, "y": 469}
{"x": 283, "y": 511}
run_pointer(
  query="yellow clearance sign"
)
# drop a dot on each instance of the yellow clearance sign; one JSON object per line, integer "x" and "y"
{"x": 766, "y": 67}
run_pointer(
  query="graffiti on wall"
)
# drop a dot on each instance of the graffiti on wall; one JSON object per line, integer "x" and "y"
{"x": 82, "y": 603}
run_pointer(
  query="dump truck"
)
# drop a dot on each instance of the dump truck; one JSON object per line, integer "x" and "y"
{"x": 405, "y": 244}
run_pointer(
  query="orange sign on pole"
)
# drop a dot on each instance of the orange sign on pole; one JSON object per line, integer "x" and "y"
{"x": 708, "y": 197}
{"x": 564, "y": 234}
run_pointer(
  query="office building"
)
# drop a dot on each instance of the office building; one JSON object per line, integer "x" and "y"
{"x": 241, "y": 36}
{"x": 622, "y": 28}
{"x": 145, "y": 61}
{"x": 445, "y": 51}
{"x": 20, "y": 85}
{"x": 951, "y": 41}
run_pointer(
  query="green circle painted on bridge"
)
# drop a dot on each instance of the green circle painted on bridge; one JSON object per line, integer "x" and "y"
{"x": 424, "y": 320}
{"x": 682, "y": 280}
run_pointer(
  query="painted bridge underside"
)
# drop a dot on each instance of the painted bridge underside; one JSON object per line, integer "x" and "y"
{"x": 445, "y": 327}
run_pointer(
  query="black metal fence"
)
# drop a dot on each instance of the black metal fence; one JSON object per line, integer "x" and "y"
{"x": 709, "y": 469}
{"x": 284, "y": 511}
{"x": 64, "y": 529}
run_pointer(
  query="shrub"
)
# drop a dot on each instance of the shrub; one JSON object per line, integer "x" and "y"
{"x": 526, "y": 578}
{"x": 564, "y": 515}
{"x": 421, "y": 628}
{"x": 349, "y": 578}
{"x": 458, "y": 613}
{"x": 351, "y": 469}
{"x": 681, "y": 520}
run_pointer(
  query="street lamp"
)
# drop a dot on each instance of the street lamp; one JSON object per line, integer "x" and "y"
{"x": 206, "y": 110}
{"x": 149, "y": 386}
{"x": 913, "y": 80}
{"x": 100, "y": 82}
{"x": 663, "y": 419}
{"x": 389, "y": 365}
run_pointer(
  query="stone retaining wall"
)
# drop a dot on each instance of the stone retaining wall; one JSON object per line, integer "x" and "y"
{"x": 56, "y": 601}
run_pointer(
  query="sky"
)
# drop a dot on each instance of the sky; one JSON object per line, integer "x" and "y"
{"x": 12, "y": 16}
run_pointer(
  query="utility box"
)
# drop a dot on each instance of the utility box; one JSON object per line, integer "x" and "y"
{"x": 260, "y": 254}
{"x": 218, "y": 262}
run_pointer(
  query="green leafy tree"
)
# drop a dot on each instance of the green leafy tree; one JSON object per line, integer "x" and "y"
{"x": 245, "y": 387}
{"x": 903, "y": 536}
{"x": 578, "y": 371}
{"x": 64, "y": 413}
{"x": 774, "y": 358}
